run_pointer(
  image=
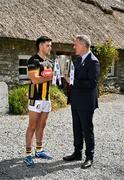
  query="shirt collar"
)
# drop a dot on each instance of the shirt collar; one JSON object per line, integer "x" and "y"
{"x": 85, "y": 55}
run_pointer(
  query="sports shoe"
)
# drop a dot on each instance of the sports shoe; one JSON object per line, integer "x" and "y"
{"x": 43, "y": 154}
{"x": 29, "y": 161}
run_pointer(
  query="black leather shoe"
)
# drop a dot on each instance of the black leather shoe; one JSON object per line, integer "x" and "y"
{"x": 73, "y": 157}
{"x": 86, "y": 164}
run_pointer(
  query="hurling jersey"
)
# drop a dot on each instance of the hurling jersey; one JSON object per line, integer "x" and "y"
{"x": 39, "y": 91}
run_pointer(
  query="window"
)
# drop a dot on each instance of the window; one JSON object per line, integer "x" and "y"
{"x": 23, "y": 71}
{"x": 112, "y": 70}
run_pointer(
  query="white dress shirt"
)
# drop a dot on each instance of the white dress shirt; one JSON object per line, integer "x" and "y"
{"x": 85, "y": 55}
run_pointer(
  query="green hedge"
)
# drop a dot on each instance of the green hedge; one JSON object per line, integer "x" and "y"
{"x": 18, "y": 99}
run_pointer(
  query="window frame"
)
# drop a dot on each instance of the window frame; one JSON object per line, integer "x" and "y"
{"x": 23, "y": 77}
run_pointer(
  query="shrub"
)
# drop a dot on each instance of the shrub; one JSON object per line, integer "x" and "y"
{"x": 18, "y": 99}
{"x": 58, "y": 98}
{"x": 107, "y": 54}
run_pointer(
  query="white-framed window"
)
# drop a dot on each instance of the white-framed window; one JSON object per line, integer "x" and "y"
{"x": 112, "y": 70}
{"x": 23, "y": 70}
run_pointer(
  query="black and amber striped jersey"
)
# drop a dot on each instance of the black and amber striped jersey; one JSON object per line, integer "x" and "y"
{"x": 39, "y": 91}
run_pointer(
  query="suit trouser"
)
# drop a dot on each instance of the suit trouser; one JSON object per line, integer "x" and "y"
{"x": 83, "y": 131}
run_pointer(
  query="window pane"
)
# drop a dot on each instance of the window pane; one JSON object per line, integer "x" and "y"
{"x": 22, "y": 71}
{"x": 22, "y": 62}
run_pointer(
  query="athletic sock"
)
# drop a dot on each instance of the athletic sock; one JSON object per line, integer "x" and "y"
{"x": 38, "y": 147}
{"x": 28, "y": 151}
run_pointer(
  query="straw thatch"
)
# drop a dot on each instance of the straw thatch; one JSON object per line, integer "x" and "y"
{"x": 63, "y": 19}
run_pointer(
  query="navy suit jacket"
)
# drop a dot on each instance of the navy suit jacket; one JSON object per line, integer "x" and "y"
{"x": 83, "y": 94}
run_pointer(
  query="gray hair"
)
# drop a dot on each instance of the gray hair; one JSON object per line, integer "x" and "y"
{"x": 84, "y": 39}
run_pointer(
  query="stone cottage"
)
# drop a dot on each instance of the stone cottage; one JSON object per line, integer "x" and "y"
{"x": 21, "y": 22}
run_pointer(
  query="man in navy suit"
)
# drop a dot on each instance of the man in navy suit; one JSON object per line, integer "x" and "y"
{"x": 83, "y": 100}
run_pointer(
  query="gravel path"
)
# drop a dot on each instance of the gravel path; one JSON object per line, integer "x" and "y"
{"x": 109, "y": 156}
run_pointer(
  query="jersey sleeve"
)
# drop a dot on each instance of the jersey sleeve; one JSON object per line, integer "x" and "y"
{"x": 33, "y": 64}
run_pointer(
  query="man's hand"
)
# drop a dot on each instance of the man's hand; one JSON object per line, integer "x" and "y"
{"x": 67, "y": 79}
{"x": 47, "y": 73}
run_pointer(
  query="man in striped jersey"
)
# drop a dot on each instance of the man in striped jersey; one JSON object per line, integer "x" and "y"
{"x": 40, "y": 73}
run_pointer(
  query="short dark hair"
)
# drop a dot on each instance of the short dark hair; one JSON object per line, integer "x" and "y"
{"x": 42, "y": 39}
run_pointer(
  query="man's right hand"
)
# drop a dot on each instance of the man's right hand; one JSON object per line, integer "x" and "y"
{"x": 47, "y": 72}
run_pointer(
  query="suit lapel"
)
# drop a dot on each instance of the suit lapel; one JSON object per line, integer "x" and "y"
{"x": 86, "y": 59}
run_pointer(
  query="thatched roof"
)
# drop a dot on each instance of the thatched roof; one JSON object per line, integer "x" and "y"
{"x": 63, "y": 19}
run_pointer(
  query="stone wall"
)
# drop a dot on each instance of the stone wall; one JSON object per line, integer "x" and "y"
{"x": 9, "y": 63}
{"x": 111, "y": 85}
